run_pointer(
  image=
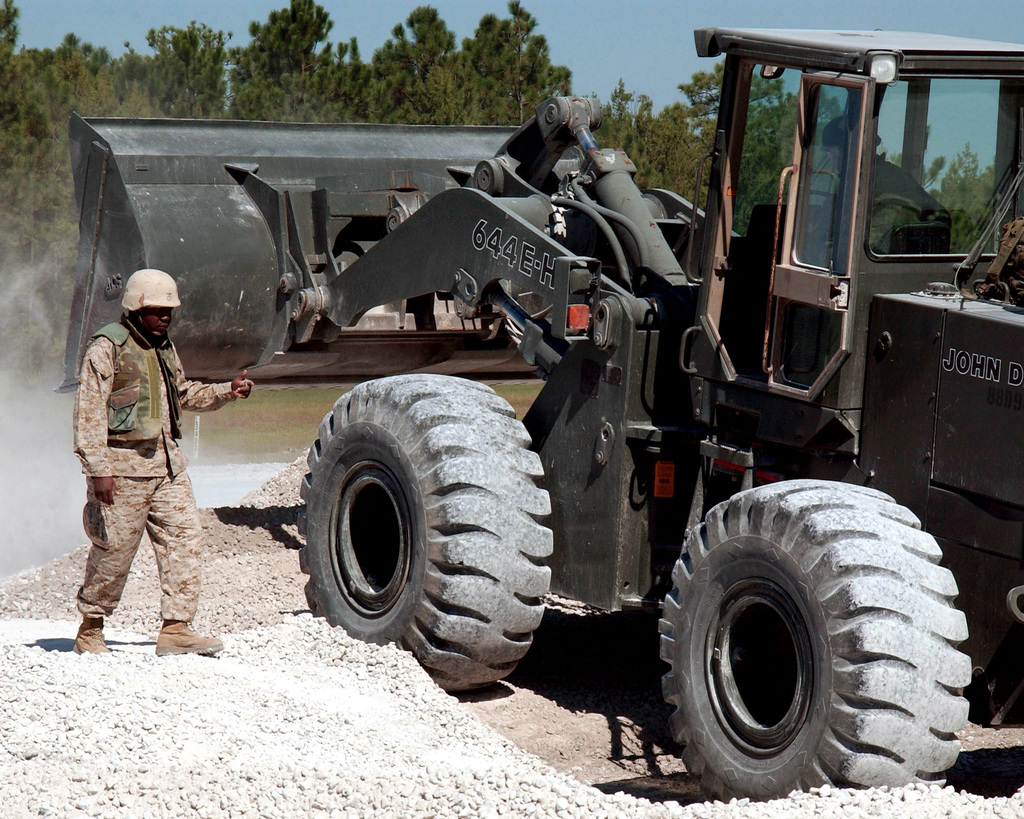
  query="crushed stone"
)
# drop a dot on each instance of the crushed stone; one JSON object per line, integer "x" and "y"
{"x": 295, "y": 718}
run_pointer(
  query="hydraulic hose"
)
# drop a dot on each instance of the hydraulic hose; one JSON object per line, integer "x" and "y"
{"x": 606, "y": 229}
{"x": 628, "y": 224}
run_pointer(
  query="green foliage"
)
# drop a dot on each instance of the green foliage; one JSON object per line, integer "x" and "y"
{"x": 38, "y": 233}
{"x": 511, "y": 68}
{"x": 343, "y": 90}
{"x": 39, "y": 90}
{"x": 934, "y": 172}
{"x": 186, "y": 76}
{"x": 416, "y": 73}
{"x": 276, "y": 76}
{"x": 666, "y": 147}
{"x": 704, "y": 94}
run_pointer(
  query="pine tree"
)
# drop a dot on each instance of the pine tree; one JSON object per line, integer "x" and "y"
{"x": 277, "y": 75}
{"x": 38, "y": 235}
{"x": 342, "y": 87}
{"x": 511, "y": 65}
{"x": 417, "y": 78}
{"x": 187, "y": 76}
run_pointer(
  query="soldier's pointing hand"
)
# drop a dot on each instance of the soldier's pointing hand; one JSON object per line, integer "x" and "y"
{"x": 242, "y": 386}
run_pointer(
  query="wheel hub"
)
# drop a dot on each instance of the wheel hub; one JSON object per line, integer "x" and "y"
{"x": 371, "y": 539}
{"x": 759, "y": 667}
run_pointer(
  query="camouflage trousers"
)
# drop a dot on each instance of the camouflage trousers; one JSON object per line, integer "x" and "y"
{"x": 166, "y": 509}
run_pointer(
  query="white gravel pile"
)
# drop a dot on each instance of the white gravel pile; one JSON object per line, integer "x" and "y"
{"x": 300, "y": 720}
{"x": 294, "y": 719}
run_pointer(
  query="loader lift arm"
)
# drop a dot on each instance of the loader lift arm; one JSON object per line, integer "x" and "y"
{"x": 483, "y": 242}
{"x": 468, "y": 241}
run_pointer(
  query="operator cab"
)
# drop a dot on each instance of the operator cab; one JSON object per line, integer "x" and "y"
{"x": 846, "y": 164}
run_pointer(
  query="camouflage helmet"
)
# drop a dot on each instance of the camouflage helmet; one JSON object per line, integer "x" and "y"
{"x": 149, "y": 288}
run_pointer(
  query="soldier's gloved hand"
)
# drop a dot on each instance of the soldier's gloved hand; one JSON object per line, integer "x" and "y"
{"x": 104, "y": 489}
{"x": 241, "y": 386}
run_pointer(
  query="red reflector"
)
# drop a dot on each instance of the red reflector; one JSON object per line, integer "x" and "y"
{"x": 578, "y": 317}
{"x": 664, "y": 479}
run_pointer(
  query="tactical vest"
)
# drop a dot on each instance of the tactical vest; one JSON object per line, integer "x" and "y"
{"x": 133, "y": 410}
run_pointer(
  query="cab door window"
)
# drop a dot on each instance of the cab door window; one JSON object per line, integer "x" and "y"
{"x": 767, "y": 147}
{"x": 811, "y": 286}
{"x": 820, "y": 240}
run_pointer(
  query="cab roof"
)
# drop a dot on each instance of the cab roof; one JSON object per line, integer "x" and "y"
{"x": 849, "y": 50}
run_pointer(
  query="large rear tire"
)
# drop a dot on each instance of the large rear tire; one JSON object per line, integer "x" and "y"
{"x": 423, "y": 525}
{"x": 812, "y": 639}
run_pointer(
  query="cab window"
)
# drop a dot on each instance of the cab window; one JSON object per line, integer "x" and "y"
{"x": 767, "y": 145}
{"x": 822, "y": 232}
{"x": 945, "y": 148}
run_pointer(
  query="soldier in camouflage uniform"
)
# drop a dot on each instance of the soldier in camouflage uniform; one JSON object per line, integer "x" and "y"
{"x": 131, "y": 393}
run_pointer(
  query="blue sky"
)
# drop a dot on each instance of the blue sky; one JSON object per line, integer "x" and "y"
{"x": 646, "y": 43}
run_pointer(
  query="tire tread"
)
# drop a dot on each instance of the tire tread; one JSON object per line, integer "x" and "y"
{"x": 889, "y": 611}
{"x": 485, "y": 510}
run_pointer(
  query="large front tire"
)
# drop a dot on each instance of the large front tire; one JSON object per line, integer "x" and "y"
{"x": 423, "y": 525}
{"x": 812, "y": 639}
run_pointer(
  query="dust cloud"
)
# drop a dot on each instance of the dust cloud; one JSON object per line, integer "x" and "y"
{"x": 42, "y": 489}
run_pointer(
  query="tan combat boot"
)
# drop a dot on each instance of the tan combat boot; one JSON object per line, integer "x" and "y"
{"x": 177, "y": 638}
{"x": 89, "y": 639}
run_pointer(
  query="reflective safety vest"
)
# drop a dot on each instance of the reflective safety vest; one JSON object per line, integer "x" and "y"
{"x": 133, "y": 409}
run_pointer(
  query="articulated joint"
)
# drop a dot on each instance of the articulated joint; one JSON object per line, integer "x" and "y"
{"x": 465, "y": 287}
{"x": 404, "y": 205}
{"x": 309, "y": 305}
{"x": 580, "y": 115}
{"x": 618, "y": 309}
{"x": 310, "y": 301}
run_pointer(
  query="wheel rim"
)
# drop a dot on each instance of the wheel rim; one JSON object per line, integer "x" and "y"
{"x": 371, "y": 539}
{"x": 759, "y": 665}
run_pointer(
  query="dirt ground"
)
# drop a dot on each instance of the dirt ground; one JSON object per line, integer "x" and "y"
{"x": 586, "y": 699}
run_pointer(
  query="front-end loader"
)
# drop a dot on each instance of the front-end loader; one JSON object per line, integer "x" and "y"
{"x": 784, "y": 418}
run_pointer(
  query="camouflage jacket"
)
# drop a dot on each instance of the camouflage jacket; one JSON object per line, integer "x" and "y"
{"x": 137, "y": 459}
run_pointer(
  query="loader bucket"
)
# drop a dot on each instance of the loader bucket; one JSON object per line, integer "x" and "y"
{"x": 169, "y": 194}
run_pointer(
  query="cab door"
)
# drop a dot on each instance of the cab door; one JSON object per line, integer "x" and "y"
{"x": 806, "y": 338}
